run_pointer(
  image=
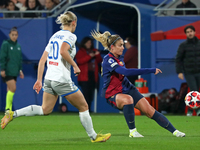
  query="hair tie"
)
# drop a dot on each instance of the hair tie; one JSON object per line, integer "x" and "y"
{"x": 115, "y": 41}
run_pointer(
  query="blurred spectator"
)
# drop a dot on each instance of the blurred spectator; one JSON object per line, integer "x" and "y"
{"x": 2, "y": 7}
{"x": 49, "y": 5}
{"x": 88, "y": 59}
{"x": 188, "y": 62}
{"x": 33, "y": 5}
{"x": 55, "y": 1}
{"x": 21, "y": 5}
{"x": 11, "y": 7}
{"x": 131, "y": 57}
{"x": 186, "y": 4}
{"x": 42, "y": 2}
{"x": 14, "y": 1}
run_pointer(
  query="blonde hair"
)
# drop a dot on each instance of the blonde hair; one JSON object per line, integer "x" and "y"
{"x": 66, "y": 18}
{"x": 106, "y": 38}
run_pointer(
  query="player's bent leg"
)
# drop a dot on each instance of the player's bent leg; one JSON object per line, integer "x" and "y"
{"x": 48, "y": 102}
{"x": 144, "y": 106}
{"x": 7, "y": 118}
{"x": 30, "y": 110}
{"x": 125, "y": 102}
{"x": 122, "y": 100}
{"x": 77, "y": 99}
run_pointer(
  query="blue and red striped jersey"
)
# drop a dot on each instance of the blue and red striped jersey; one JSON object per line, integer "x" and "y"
{"x": 114, "y": 75}
{"x": 113, "y": 82}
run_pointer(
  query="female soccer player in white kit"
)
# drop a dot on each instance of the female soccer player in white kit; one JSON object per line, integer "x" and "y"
{"x": 59, "y": 54}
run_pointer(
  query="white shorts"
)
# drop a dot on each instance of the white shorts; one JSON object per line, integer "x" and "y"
{"x": 58, "y": 88}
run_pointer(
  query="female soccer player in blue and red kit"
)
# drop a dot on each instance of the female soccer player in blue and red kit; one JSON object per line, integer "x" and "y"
{"x": 119, "y": 92}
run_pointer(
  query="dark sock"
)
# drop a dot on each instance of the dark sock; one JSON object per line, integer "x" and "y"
{"x": 163, "y": 121}
{"x": 129, "y": 115}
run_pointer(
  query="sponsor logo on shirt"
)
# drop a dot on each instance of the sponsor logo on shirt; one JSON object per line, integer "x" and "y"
{"x": 114, "y": 64}
{"x": 53, "y": 63}
{"x": 111, "y": 60}
{"x": 11, "y": 48}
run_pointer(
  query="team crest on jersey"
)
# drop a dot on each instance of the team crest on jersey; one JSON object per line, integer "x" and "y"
{"x": 111, "y": 61}
{"x": 121, "y": 63}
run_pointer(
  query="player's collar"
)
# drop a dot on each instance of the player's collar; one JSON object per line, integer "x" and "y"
{"x": 114, "y": 56}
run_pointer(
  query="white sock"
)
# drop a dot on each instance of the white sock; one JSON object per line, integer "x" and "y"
{"x": 31, "y": 110}
{"x": 86, "y": 121}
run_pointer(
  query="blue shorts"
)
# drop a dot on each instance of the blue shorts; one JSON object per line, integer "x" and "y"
{"x": 133, "y": 92}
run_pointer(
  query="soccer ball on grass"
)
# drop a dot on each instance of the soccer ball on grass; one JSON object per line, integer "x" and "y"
{"x": 192, "y": 99}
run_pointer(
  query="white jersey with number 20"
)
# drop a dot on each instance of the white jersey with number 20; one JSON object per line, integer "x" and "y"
{"x": 57, "y": 68}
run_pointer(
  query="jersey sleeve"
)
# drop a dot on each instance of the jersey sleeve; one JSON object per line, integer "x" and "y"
{"x": 3, "y": 55}
{"x": 111, "y": 64}
{"x": 48, "y": 47}
{"x": 133, "y": 72}
{"x": 70, "y": 39}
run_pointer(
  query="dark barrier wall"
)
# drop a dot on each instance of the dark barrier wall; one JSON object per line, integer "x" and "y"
{"x": 164, "y": 52}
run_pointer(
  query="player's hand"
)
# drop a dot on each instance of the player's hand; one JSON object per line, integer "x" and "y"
{"x": 77, "y": 71}
{"x": 37, "y": 86}
{"x": 21, "y": 74}
{"x": 181, "y": 76}
{"x": 157, "y": 71}
{"x": 3, "y": 74}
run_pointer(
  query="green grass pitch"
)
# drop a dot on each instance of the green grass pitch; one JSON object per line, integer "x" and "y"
{"x": 64, "y": 131}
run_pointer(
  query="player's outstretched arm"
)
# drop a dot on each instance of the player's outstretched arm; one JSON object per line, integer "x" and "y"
{"x": 157, "y": 71}
{"x": 133, "y": 71}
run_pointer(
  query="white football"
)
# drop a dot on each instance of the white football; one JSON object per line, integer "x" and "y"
{"x": 192, "y": 99}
